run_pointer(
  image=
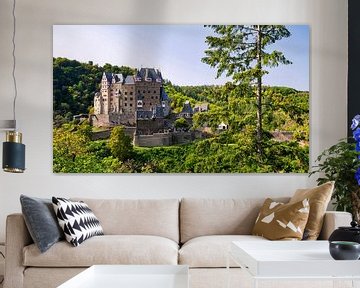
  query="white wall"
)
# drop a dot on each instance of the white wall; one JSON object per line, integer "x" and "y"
{"x": 328, "y": 21}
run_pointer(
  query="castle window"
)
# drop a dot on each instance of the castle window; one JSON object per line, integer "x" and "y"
{"x": 125, "y": 93}
{"x": 131, "y": 99}
{"x": 125, "y": 104}
{"x": 154, "y": 91}
{"x": 152, "y": 97}
{"x": 144, "y": 91}
{"x": 148, "y": 91}
{"x": 150, "y": 104}
{"x": 130, "y": 104}
{"x": 138, "y": 91}
{"x": 131, "y": 93}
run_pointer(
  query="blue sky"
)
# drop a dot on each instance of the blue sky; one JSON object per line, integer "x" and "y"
{"x": 174, "y": 49}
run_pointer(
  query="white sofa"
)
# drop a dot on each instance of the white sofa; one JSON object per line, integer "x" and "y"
{"x": 194, "y": 232}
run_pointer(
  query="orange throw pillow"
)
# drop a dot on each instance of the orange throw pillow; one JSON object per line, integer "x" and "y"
{"x": 279, "y": 221}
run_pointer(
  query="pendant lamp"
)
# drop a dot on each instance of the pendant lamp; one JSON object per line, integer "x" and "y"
{"x": 13, "y": 158}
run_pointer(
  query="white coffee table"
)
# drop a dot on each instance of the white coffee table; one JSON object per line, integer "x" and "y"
{"x": 285, "y": 260}
{"x": 131, "y": 276}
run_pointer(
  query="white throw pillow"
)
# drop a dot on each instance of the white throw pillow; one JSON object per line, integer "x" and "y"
{"x": 76, "y": 220}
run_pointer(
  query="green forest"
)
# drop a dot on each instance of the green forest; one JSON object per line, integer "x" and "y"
{"x": 234, "y": 150}
{"x": 253, "y": 143}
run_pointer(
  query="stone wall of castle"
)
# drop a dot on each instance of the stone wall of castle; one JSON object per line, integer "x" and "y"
{"x": 156, "y": 139}
{"x": 183, "y": 137}
{"x": 150, "y": 92}
{"x": 105, "y": 134}
{"x": 164, "y": 139}
{"x": 147, "y": 127}
{"x": 112, "y": 120}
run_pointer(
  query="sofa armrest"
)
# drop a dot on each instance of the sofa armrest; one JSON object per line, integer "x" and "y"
{"x": 332, "y": 220}
{"x": 17, "y": 237}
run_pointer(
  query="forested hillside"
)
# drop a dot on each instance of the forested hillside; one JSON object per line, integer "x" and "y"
{"x": 74, "y": 86}
{"x": 285, "y": 111}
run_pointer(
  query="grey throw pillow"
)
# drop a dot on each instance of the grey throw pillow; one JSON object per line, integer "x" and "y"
{"x": 41, "y": 221}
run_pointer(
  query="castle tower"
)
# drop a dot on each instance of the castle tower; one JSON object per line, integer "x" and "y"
{"x": 98, "y": 104}
{"x": 105, "y": 92}
{"x": 115, "y": 93}
{"x": 148, "y": 84}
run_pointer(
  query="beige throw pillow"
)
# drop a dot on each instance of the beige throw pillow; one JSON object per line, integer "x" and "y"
{"x": 279, "y": 221}
{"x": 319, "y": 198}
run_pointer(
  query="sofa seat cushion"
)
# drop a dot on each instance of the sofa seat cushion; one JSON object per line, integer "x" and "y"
{"x": 211, "y": 251}
{"x": 107, "y": 249}
{"x": 206, "y": 217}
{"x": 159, "y": 217}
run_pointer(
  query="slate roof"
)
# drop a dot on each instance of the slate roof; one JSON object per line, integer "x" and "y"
{"x": 118, "y": 78}
{"x": 149, "y": 74}
{"x": 129, "y": 80}
{"x": 108, "y": 76}
{"x": 156, "y": 112}
{"x": 144, "y": 114}
{"x": 144, "y": 74}
{"x": 163, "y": 95}
{"x": 187, "y": 108}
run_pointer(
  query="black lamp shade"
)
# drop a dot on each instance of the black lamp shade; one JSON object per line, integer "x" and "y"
{"x": 13, "y": 157}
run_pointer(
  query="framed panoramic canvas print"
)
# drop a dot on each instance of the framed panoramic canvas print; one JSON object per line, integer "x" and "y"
{"x": 180, "y": 98}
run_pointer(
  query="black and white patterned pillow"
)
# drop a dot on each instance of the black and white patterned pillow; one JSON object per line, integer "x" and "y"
{"x": 77, "y": 220}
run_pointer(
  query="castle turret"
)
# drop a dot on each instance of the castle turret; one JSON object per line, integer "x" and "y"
{"x": 98, "y": 104}
{"x": 105, "y": 92}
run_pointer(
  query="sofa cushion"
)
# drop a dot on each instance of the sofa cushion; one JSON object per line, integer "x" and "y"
{"x": 107, "y": 249}
{"x": 319, "y": 198}
{"x": 77, "y": 220}
{"x": 200, "y": 217}
{"x": 158, "y": 217}
{"x": 211, "y": 251}
{"x": 279, "y": 221}
{"x": 41, "y": 221}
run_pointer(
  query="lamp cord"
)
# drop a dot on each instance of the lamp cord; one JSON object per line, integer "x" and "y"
{"x": 14, "y": 60}
{"x": 2, "y": 280}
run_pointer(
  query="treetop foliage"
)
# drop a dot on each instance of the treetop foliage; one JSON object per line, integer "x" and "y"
{"x": 234, "y": 49}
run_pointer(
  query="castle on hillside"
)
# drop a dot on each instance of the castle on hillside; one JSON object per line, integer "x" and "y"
{"x": 124, "y": 100}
